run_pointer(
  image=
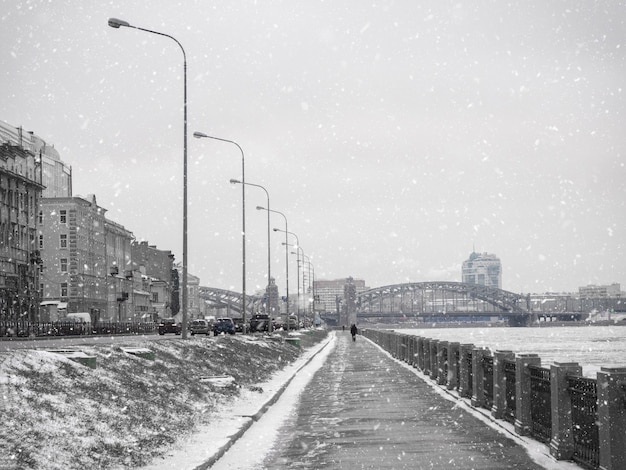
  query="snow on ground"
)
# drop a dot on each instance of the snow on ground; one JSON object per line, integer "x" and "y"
{"x": 209, "y": 441}
{"x": 130, "y": 410}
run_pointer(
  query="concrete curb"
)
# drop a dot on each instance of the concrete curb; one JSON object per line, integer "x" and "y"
{"x": 256, "y": 416}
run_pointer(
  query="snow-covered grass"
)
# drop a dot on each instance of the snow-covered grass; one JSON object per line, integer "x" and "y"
{"x": 58, "y": 414}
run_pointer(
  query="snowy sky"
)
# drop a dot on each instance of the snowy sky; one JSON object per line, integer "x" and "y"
{"x": 396, "y": 136}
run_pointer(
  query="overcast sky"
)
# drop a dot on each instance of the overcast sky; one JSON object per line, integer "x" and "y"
{"x": 396, "y": 136}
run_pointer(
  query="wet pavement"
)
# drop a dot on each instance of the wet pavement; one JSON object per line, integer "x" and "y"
{"x": 363, "y": 409}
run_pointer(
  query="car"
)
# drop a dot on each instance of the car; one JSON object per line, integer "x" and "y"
{"x": 200, "y": 327}
{"x": 293, "y": 323}
{"x": 224, "y": 325}
{"x": 238, "y": 324}
{"x": 259, "y": 322}
{"x": 169, "y": 325}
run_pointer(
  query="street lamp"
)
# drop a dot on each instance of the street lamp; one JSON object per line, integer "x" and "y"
{"x": 310, "y": 265}
{"x": 297, "y": 253}
{"x": 269, "y": 258}
{"x": 286, "y": 245}
{"x": 117, "y": 23}
{"x": 260, "y": 208}
{"x": 200, "y": 135}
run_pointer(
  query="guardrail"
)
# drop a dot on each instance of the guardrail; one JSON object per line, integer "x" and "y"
{"x": 580, "y": 419}
{"x": 38, "y": 329}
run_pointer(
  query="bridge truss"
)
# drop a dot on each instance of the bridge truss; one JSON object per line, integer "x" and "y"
{"x": 230, "y": 300}
{"x": 440, "y": 298}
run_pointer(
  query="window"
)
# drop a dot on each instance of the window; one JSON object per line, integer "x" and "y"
{"x": 64, "y": 289}
{"x": 41, "y": 242}
{"x": 155, "y": 296}
{"x": 63, "y": 240}
{"x": 63, "y": 216}
{"x": 40, "y": 217}
{"x": 63, "y": 263}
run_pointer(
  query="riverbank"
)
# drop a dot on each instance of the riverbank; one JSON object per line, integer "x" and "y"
{"x": 132, "y": 407}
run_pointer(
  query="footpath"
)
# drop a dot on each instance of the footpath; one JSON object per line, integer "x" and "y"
{"x": 359, "y": 408}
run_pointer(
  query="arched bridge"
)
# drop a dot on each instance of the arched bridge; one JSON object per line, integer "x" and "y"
{"x": 441, "y": 298}
{"x": 229, "y": 299}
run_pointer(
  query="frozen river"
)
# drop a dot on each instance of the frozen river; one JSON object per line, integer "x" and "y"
{"x": 590, "y": 346}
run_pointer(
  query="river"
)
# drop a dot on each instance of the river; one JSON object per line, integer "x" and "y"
{"x": 590, "y": 346}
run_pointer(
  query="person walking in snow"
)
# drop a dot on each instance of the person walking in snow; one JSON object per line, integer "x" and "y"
{"x": 353, "y": 331}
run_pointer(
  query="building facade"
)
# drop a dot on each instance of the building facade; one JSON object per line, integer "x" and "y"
{"x": 483, "y": 269}
{"x": 74, "y": 272}
{"x": 54, "y": 174}
{"x": 330, "y": 293}
{"x": 20, "y": 191}
{"x": 156, "y": 265}
{"x": 600, "y": 292}
{"x": 87, "y": 263}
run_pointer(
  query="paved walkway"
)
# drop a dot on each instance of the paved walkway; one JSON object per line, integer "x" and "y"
{"x": 365, "y": 410}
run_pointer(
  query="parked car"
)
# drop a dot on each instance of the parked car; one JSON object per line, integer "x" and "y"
{"x": 224, "y": 325}
{"x": 200, "y": 327}
{"x": 169, "y": 325}
{"x": 259, "y": 322}
{"x": 238, "y": 324}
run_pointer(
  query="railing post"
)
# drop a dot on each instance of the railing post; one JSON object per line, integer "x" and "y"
{"x": 562, "y": 441}
{"x": 499, "y": 383}
{"x": 453, "y": 366}
{"x": 612, "y": 417}
{"x": 442, "y": 352}
{"x": 478, "y": 389}
{"x": 434, "y": 364}
{"x": 464, "y": 370}
{"x": 523, "y": 418}
{"x": 420, "y": 353}
{"x": 426, "y": 351}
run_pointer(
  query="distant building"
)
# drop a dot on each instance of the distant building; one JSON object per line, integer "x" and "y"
{"x": 330, "y": 293}
{"x": 271, "y": 293}
{"x": 483, "y": 269}
{"x": 20, "y": 191}
{"x": 600, "y": 292}
{"x": 196, "y": 307}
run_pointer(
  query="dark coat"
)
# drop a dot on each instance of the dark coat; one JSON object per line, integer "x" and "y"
{"x": 353, "y": 330}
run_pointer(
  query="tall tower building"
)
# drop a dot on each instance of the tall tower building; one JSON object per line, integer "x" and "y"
{"x": 483, "y": 269}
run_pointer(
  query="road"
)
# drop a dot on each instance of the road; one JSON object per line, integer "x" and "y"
{"x": 56, "y": 342}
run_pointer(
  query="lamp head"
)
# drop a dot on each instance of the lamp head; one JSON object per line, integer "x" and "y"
{"x": 198, "y": 135}
{"x": 234, "y": 181}
{"x": 277, "y": 230}
{"x": 116, "y": 23}
{"x": 260, "y": 208}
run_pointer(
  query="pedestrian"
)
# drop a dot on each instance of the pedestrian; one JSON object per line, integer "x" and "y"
{"x": 343, "y": 327}
{"x": 353, "y": 331}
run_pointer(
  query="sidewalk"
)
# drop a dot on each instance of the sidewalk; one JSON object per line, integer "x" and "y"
{"x": 364, "y": 409}
{"x": 351, "y": 405}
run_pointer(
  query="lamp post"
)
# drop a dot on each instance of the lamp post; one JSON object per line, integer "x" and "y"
{"x": 297, "y": 253}
{"x": 308, "y": 261}
{"x": 117, "y": 23}
{"x": 269, "y": 258}
{"x": 287, "y": 232}
{"x": 260, "y": 208}
{"x": 200, "y": 135}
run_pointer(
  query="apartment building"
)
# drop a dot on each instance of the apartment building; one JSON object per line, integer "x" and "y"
{"x": 156, "y": 265}
{"x": 20, "y": 190}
